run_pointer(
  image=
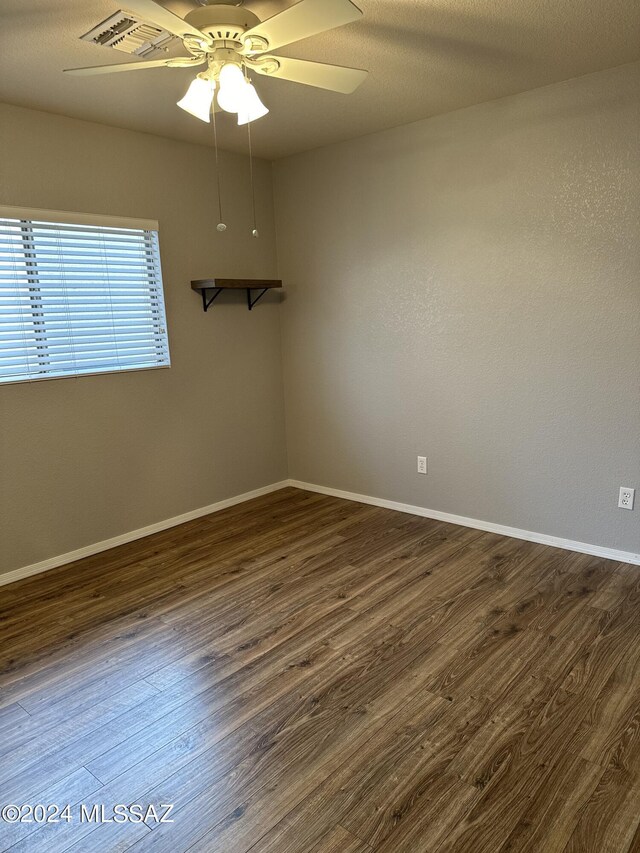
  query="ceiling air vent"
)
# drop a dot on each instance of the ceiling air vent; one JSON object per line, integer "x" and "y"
{"x": 125, "y": 32}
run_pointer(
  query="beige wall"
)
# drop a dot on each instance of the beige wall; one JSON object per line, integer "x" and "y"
{"x": 86, "y": 459}
{"x": 468, "y": 288}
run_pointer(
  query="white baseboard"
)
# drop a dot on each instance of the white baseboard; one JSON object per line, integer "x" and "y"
{"x": 514, "y": 532}
{"x": 90, "y": 550}
{"x": 490, "y": 527}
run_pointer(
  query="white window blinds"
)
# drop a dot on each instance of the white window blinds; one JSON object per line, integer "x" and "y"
{"x": 78, "y": 294}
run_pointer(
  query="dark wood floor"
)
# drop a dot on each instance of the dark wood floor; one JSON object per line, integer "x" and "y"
{"x": 301, "y": 674}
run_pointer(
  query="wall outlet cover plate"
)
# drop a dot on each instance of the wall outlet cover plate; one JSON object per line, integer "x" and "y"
{"x": 626, "y": 498}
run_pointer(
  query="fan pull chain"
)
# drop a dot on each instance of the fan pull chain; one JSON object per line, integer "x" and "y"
{"x": 255, "y": 231}
{"x": 220, "y": 226}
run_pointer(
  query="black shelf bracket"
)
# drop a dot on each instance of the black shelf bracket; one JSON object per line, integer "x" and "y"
{"x": 251, "y": 302}
{"x": 207, "y": 303}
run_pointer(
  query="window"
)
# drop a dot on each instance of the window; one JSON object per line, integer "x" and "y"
{"x": 78, "y": 294}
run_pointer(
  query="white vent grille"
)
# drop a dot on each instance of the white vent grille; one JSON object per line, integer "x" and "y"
{"x": 129, "y": 34}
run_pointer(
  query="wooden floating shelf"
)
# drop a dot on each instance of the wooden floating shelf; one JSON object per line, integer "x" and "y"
{"x": 205, "y": 286}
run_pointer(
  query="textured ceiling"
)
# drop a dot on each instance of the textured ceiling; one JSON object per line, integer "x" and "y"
{"x": 425, "y": 57}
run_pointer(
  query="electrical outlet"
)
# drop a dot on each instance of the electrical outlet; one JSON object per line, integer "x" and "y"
{"x": 627, "y": 497}
{"x": 422, "y": 464}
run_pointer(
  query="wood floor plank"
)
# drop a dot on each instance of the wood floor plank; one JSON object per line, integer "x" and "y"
{"x": 609, "y": 820}
{"x": 395, "y": 785}
{"x": 302, "y": 674}
{"x": 549, "y": 819}
{"x": 340, "y": 841}
{"x": 71, "y": 790}
{"x": 612, "y": 730}
{"x": 446, "y": 802}
{"x": 510, "y": 763}
{"x": 12, "y": 715}
{"x": 309, "y": 742}
{"x": 130, "y": 737}
{"x": 337, "y": 796}
{"x": 35, "y": 738}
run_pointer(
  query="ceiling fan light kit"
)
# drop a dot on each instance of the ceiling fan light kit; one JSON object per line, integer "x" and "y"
{"x": 232, "y": 42}
{"x": 252, "y": 107}
{"x": 198, "y": 98}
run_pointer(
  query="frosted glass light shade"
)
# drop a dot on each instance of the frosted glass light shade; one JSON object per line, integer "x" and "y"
{"x": 199, "y": 98}
{"x": 252, "y": 107}
{"x": 232, "y": 85}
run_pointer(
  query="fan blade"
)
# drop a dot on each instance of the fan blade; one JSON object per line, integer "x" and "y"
{"x": 306, "y": 18}
{"x": 154, "y": 13}
{"x": 332, "y": 77}
{"x": 176, "y": 62}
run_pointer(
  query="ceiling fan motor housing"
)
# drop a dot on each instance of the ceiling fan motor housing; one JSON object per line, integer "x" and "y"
{"x": 224, "y": 24}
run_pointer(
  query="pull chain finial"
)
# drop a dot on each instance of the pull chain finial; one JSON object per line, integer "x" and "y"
{"x": 221, "y": 225}
{"x": 255, "y": 231}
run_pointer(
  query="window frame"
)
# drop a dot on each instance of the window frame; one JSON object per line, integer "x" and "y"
{"x": 26, "y": 216}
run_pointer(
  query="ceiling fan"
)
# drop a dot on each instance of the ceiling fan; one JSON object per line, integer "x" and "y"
{"x": 232, "y": 41}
